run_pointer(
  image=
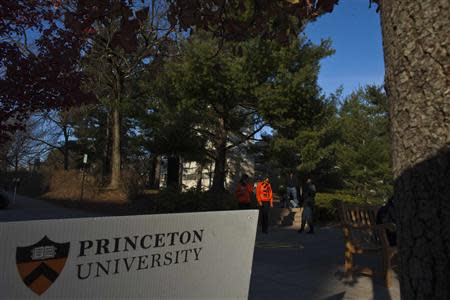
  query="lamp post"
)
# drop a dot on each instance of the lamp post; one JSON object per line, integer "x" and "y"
{"x": 83, "y": 171}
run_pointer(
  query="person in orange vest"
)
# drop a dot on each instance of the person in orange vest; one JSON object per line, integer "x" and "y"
{"x": 265, "y": 202}
{"x": 243, "y": 192}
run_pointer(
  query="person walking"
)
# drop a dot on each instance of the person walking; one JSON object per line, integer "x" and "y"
{"x": 309, "y": 194}
{"x": 291, "y": 185}
{"x": 265, "y": 202}
{"x": 243, "y": 192}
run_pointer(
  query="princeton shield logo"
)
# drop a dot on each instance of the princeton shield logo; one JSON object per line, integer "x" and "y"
{"x": 39, "y": 265}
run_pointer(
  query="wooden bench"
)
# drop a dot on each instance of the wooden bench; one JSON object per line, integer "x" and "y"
{"x": 363, "y": 236}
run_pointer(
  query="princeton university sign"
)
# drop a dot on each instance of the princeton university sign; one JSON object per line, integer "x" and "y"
{"x": 207, "y": 255}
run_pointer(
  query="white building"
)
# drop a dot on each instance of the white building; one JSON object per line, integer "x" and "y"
{"x": 239, "y": 161}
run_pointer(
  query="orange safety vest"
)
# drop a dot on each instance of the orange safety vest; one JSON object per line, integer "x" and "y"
{"x": 264, "y": 191}
{"x": 243, "y": 192}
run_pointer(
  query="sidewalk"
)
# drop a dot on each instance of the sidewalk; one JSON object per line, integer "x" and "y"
{"x": 288, "y": 265}
{"x": 26, "y": 209}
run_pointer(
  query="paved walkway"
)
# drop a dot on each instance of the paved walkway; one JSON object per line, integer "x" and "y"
{"x": 33, "y": 209}
{"x": 288, "y": 265}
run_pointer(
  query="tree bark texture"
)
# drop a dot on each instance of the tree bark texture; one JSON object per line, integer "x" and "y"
{"x": 220, "y": 162}
{"x": 106, "y": 155}
{"x": 116, "y": 157}
{"x": 416, "y": 40}
{"x": 155, "y": 171}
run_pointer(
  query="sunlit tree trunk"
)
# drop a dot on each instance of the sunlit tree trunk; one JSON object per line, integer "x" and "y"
{"x": 116, "y": 134}
{"x": 65, "y": 148}
{"x": 220, "y": 161}
{"x": 416, "y": 40}
{"x": 116, "y": 157}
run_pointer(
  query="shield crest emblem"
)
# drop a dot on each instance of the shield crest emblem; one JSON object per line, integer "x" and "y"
{"x": 39, "y": 265}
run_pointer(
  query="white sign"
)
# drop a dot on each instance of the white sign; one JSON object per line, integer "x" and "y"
{"x": 85, "y": 157}
{"x": 196, "y": 255}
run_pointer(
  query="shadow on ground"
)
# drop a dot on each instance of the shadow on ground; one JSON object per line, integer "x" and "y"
{"x": 288, "y": 265}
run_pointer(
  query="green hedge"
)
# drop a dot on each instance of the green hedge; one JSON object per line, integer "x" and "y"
{"x": 32, "y": 184}
{"x": 326, "y": 203}
{"x": 174, "y": 202}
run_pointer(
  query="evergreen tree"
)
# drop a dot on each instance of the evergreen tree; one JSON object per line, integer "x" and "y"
{"x": 216, "y": 89}
{"x": 363, "y": 154}
{"x": 234, "y": 91}
{"x": 297, "y": 111}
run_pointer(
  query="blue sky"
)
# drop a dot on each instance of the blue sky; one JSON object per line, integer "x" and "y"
{"x": 355, "y": 32}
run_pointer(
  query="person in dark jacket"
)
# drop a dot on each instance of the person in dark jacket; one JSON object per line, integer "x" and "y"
{"x": 386, "y": 214}
{"x": 243, "y": 192}
{"x": 291, "y": 185}
{"x": 309, "y": 195}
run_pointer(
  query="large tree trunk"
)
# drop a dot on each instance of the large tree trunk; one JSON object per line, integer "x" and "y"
{"x": 66, "y": 158}
{"x": 116, "y": 157}
{"x": 155, "y": 171}
{"x": 416, "y": 40}
{"x": 16, "y": 163}
{"x": 180, "y": 174}
{"x": 199, "y": 171}
{"x": 106, "y": 159}
{"x": 220, "y": 161}
{"x": 173, "y": 172}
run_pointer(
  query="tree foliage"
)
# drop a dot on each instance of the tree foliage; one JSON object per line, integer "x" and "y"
{"x": 240, "y": 20}
{"x": 364, "y": 155}
{"x": 40, "y": 62}
{"x": 347, "y": 146}
{"x": 232, "y": 95}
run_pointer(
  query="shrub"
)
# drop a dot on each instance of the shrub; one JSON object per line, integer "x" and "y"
{"x": 67, "y": 185}
{"x": 31, "y": 184}
{"x": 169, "y": 201}
{"x": 132, "y": 184}
{"x": 326, "y": 204}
